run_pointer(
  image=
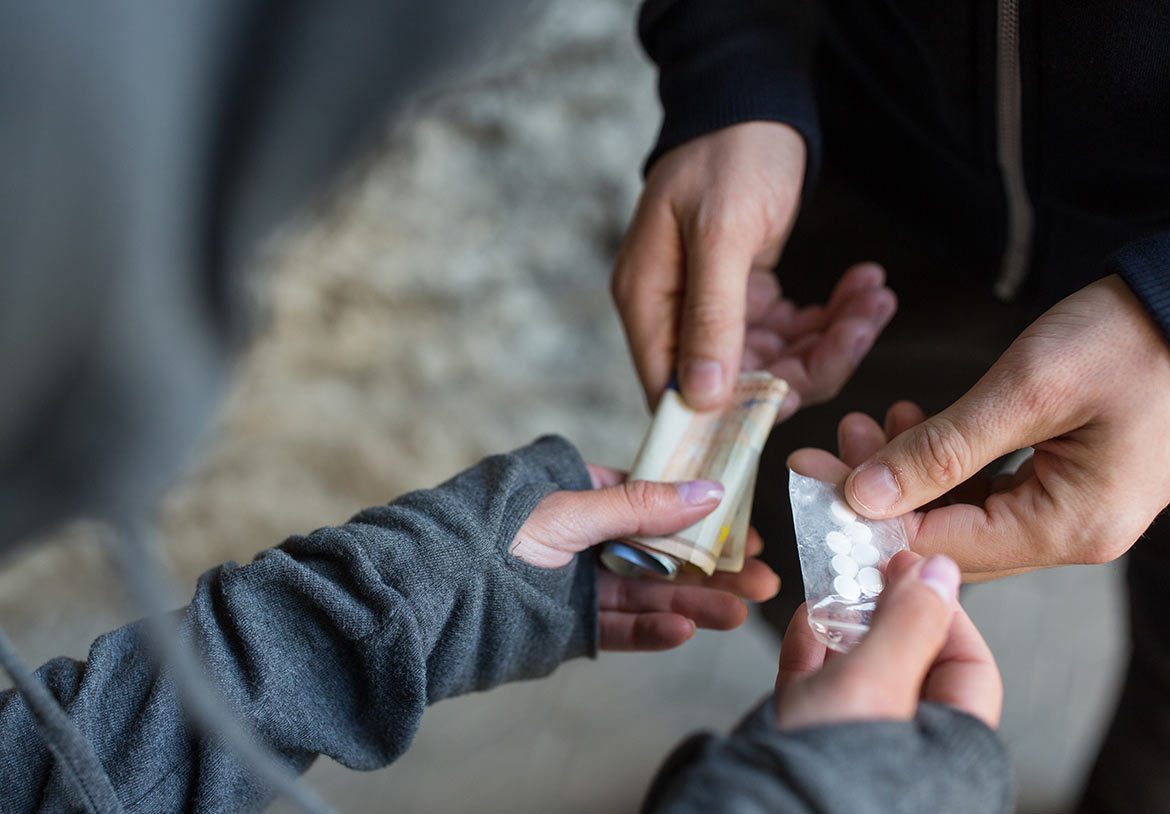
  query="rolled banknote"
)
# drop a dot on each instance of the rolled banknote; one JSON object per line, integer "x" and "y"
{"x": 722, "y": 445}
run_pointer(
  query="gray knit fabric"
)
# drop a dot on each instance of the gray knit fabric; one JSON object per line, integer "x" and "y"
{"x": 943, "y": 761}
{"x": 333, "y": 643}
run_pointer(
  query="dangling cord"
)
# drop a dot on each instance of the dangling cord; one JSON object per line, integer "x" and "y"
{"x": 83, "y": 772}
{"x": 147, "y": 580}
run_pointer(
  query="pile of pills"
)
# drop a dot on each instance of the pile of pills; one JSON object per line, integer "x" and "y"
{"x": 854, "y": 556}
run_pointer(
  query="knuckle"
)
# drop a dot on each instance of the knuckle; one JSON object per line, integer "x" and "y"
{"x": 623, "y": 284}
{"x": 870, "y": 693}
{"x": 831, "y": 388}
{"x": 641, "y": 498}
{"x": 708, "y": 317}
{"x": 1103, "y": 551}
{"x": 854, "y": 685}
{"x": 1092, "y": 550}
{"x": 940, "y": 452}
{"x": 1104, "y": 540}
{"x": 925, "y": 617}
{"x": 1031, "y": 378}
{"x": 1036, "y": 398}
{"x": 619, "y": 285}
{"x": 1080, "y": 530}
{"x": 717, "y": 220}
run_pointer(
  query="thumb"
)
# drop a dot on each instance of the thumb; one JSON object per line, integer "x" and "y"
{"x": 931, "y": 458}
{"x": 564, "y": 523}
{"x": 910, "y": 627}
{"x": 714, "y": 313}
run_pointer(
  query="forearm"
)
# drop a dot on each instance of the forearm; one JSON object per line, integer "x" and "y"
{"x": 332, "y": 643}
{"x": 944, "y": 760}
{"x": 731, "y": 62}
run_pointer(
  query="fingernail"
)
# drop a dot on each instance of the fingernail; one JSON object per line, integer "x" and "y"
{"x": 941, "y": 575}
{"x": 703, "y": 378}
{"x": 695, "y": 492}
{"x": 861, "y": 346}
{"x": 875, "y": 488}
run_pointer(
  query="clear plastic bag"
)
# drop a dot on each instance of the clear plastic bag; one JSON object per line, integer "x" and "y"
{"x": 843, "y": 560}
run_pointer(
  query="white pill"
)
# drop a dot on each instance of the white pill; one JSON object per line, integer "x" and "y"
{"x": 859, "y": 532}
{"x": 845, "y": 565}
{"x": 865, "y": 554}
{"x": 841, "y": 513}
{"x": 838, "y": 543}
{"x": 846, "y": 588}
{"x": 870, "y": 580}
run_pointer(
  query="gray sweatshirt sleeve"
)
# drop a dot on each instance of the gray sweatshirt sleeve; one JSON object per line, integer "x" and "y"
{"x": 332, "y": 643}
{"x": 944, "y": 760}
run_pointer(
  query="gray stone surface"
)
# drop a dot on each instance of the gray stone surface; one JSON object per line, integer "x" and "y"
{"x": 450, "y": 300}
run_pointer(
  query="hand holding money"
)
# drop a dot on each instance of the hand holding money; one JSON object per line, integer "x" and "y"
{"x": 720, "y": 445}
{"x": 642, "y": 614}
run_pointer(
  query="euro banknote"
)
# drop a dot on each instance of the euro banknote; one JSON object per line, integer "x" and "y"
{"x": 724, "y": 445}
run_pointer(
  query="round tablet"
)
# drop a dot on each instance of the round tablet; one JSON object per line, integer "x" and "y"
{"x": 841, "y": 513}
{"x": 870, "y": 580}
{"x": 838, "y": 542}
{"x": 845, "y": 565}
{"x": 859, "y": 532}
{"x": 865, "y": 554}
{"x": 846, "y": 588}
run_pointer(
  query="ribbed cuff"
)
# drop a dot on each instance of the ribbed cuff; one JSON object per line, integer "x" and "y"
{"x": 553, "y": 463}
{"x": 1145, "y": 267}
{"x": 726, "y": 63}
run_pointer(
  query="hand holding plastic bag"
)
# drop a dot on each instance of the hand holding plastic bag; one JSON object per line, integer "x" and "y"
{"x": 843, "y": 559}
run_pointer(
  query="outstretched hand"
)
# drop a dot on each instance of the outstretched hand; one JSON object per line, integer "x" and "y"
{"x": 644, "y": 613}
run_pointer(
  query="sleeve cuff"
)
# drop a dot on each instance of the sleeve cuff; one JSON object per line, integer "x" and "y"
{"x": 942, "y": 760}
{"x": 1144, "y": 265}
{"x": 728, "y": 63}
{"x": 556, "y": 464}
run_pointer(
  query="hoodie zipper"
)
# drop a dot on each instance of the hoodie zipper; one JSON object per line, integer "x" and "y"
{"x": 1010, "y": 149}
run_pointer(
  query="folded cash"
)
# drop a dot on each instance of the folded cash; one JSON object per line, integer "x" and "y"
{"x": 722, "y": 445}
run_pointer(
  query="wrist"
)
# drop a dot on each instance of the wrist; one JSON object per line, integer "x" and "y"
{"x": 1144, "y": 267}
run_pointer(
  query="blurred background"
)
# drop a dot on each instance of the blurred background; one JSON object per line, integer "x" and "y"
{"x": 449, "y": 300}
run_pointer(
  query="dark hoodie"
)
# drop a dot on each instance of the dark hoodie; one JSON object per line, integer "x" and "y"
{"x": 1021, "y": 145}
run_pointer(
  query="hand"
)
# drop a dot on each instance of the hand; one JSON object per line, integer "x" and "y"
{"x": 650, "y": 613}
{"x": 1087, "y": 386}
{"x": 815, "y": 348}
{"x": 714, "y": 210}
{"x": 921, "y": 646}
